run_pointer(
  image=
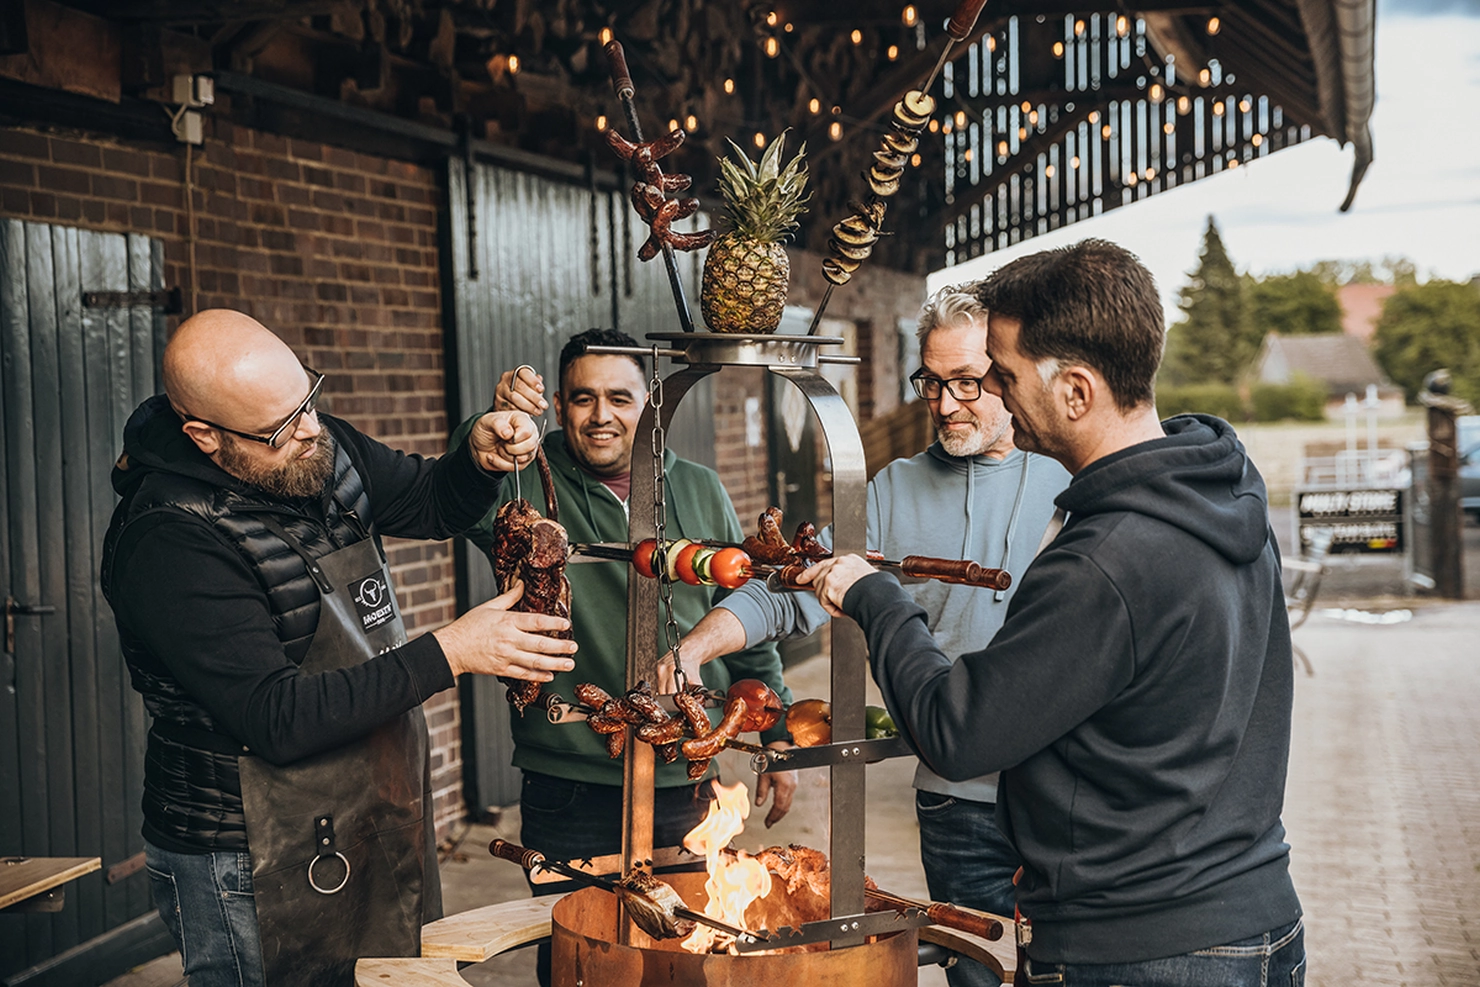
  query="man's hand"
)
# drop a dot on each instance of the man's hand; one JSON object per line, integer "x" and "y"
{"x": 520, "y": 389}
{"x": 832, "y": 578}
{"x": 780, "y": 785}
{"x": 493, "y": 640}
{"x": 501, "y": 440}
{"x": 718, "y": 633}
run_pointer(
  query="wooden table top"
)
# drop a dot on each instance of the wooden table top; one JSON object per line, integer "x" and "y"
{"x": 22, "y": 877}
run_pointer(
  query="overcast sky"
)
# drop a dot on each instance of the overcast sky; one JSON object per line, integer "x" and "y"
{"x": 1420, "y": 198}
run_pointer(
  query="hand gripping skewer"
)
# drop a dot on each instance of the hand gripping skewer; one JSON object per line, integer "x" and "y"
{"x": 530, "y": 859}
{"x": 622, "y": 83}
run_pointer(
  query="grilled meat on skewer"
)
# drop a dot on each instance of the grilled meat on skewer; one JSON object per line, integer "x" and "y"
{"x": 532, "y": 549}
{"x": 653, "y": 905}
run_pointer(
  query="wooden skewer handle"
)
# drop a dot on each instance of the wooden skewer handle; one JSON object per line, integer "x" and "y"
{"x": 622, "y": 79}
{"x": 964, "y": 19}
{"x": 962, "y": 571}
{"x": 513, "y": 852}
{"x": 941, "y": 913}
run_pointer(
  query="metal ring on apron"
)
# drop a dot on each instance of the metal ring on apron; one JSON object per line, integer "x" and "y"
{"x": 338, "y": 887}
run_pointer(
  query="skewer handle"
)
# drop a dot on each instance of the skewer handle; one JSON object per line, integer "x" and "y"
{"x": 961, "y": 571}
{"x": 964, "y": 19}
{"x": 941, "y": 913}
{"x": 513, "y": 852}
{"x": 622, "y": 79}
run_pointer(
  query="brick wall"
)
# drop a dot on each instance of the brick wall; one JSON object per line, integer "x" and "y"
{"x": 333, "y": 250}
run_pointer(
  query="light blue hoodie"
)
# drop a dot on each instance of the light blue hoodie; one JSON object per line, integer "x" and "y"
{"x": 992, "y": 511}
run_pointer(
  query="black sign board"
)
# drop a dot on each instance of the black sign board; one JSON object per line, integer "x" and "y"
{"x": 1367, "y": 520}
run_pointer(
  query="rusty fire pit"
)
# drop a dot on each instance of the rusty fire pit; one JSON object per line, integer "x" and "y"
{"x": 585, "y": 951}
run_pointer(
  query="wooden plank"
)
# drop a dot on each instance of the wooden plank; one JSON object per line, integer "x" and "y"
{"x": 33, "y": 875}
{"x": 108, "y": 349}
{"x": 408, "y": 971}
{"x": 12, "y": 314}
{"x": 473, "y": 936}
{"x": 91, "y": 811}
{"x": 51, "y": 561}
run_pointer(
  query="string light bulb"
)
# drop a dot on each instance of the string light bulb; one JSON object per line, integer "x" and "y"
{"x": 513, "y": 64}
{"x": 1244, "y": 105}
{"x": 1094, "y": 116}
{"x": 1033, "y": 118}
{"x": 1022, "y": 133}
{"x": 991, "y": 42}
{"x": 960, "y": 118}
{"x": 1257, "y": 139}
{"x": 1205, "y": 77}
{"x": 773, "y": 47}
{"x": 606, "y": 35}
{"x": 1002, "y": 149}
{"x": 915, "y": 160}
{"x": 760, "y": 139}
{"x": 1214, "y": 25}
{"x": 1058, "y": 49}
{"x": 691, "y": 123}
{"x": 893, "y": 52}
{"x": 910, "y": 15}
{"x": 946, "y": 127}
{"x": 835, "y": 130}
{"x": 1074, "y": 161}
{"x": 1169, "y": 128}
{"x": 729, "y": 87}
{"x": 968, "y": 154}
{"x": 815, "y": 105}
{"x": 1048, "y": 171}
{"x": 1027, "y": 106}
{"x": 1122, "y": 26}
{"x": 672, "y": 126}
{"x": 1157, "y": 93}
{"x": 934, "y": 126}
{"x": 1218, "y": 108}
{"x": 857, "y": 36}
{"x": 1183, "y": 105}
{"x": 771, "y": 19}
{"x": 1078, "y": 28}
{"x": 601, "y": 123}
{"x": 1233, "y": 162}
{"x": 1105, "y": 131}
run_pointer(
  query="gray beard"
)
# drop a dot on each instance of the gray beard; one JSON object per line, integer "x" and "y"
{"x": 974, "y": 444}
{"x": 295, "y": 478}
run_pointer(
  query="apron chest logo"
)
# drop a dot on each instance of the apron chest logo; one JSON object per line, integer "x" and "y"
{"x": 373, "y": 602}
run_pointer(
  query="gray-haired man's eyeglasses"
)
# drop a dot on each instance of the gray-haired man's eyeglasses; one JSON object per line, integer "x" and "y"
{"x": 961, "y": 388}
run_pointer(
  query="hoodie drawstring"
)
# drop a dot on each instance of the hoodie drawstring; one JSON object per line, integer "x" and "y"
{"x": 1012, "y": 521}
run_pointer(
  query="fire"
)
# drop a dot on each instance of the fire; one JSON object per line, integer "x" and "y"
{"x": 735, "y": 880}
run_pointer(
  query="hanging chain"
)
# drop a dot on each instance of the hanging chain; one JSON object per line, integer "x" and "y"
{"x": 660, "y": 522}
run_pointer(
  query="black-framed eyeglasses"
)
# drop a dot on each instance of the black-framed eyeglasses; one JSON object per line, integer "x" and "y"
{"x": 961, "y": 388}
{"x": 287, "y": 428}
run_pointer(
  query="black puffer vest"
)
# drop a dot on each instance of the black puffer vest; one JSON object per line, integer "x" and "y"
{"x": 192, "y": 793}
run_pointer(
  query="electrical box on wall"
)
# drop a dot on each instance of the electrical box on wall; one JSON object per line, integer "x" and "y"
{"x": 194, "y": 90}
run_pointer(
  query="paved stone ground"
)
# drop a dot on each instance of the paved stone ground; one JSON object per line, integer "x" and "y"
{"x": 1383, "y": 799}
{"x": 1382, "y": 808}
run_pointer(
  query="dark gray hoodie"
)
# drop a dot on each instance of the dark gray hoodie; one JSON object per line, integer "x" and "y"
{"x": 1137, "y": 701}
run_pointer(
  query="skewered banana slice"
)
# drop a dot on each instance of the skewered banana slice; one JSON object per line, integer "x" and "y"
{"x": 891, "y": 159}
{"x": 871, "y": 213}
{"x": 854, "y": 232}
{"x": 834, "y": 271}
{"x": 882, "y": 187}
{"x": 846, "y": 253}
{"x": 901, "y": 143}
{"x": 883, "y": 174}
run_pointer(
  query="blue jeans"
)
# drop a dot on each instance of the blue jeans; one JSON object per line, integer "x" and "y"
{"x": 573, "y": 820}
{"x": 967, "y": 862}
{"x": 207, "y": 904}
{"x": 1274, "y": 959}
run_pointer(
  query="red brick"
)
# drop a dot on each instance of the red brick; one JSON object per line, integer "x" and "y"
{"x": 43, "y": 204}
{"x": 305, "y": 150}
{"x": 74, "y": 152}
{"x": 68, "y": 208}
{"x": 131, "y": 162}
{"x": 166, "y": 167}
{"x": 17, "y": 173}
{"x": 25, "y": 144}
{"x": 162, "y": 195}
{"x": 117, "y": 189}
{"x": 63, "y": 179}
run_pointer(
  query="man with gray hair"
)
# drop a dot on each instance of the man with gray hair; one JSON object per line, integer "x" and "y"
{"x": 971, "y": 495}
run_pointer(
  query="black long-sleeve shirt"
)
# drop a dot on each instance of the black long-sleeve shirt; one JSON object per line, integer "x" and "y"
{"x": 197, "y": 607}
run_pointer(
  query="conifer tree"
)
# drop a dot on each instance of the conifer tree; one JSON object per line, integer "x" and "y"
{"x": 1214, "y": 341}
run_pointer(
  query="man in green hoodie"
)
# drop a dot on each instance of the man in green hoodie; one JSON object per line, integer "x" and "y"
{"x": 572, "y": 791}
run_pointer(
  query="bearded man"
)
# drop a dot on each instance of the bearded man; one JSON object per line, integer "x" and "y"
{"x": 971, "y": 495}
{"x": 287, "y": 805}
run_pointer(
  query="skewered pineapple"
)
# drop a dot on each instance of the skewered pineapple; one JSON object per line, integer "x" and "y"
{"x": 746, "y": 274}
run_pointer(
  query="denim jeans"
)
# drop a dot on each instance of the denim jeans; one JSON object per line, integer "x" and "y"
{"x": 206, "y": 902}
{"x": 573, "y": 820}
{"x": 967, "y": 862}
{"x": 1274, "y": 959}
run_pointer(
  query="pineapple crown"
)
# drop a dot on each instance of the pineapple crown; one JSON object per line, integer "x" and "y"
{"x": 762, "y": 201}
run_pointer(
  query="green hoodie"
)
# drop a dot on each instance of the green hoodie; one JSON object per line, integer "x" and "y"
{"x": 698, "y": 507}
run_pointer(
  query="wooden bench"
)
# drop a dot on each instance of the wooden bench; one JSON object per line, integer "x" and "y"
{"x": 468, "y": 937}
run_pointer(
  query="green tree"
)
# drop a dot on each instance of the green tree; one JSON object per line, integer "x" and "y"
{"x": 1428, "y": 326}
{"x": 1298, "y": 304}
{"x": 1213, "y": 341}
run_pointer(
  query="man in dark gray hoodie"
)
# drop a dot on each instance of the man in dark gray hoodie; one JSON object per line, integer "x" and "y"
{"x": 1137, "y": 698}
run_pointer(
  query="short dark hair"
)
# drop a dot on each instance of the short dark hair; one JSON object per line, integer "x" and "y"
{"x": 1093, "y": 304}
{"x": 576, "y": 348}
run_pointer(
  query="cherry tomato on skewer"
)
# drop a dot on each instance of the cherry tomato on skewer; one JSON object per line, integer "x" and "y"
{"x": 643, "y": 558}
{"x": 683, "y": 564}
{"x": 730, "y": 568}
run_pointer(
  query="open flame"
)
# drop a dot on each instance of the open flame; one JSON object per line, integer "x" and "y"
{"x": 735, "y": 879}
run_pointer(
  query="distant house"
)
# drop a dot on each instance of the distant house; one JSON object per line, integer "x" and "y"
{"x": 1339, "y": 361}
{"x": 1361, "y": 307}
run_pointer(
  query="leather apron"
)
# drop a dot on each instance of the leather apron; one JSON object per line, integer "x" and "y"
{"x": 342, "y": 843}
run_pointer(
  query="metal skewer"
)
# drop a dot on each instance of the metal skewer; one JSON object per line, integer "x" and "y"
{"x": 530, "y": 859}
{"x": 622, "y": 83}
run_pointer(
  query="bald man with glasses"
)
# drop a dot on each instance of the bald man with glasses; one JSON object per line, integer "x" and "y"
{"x": 287, "y": 799}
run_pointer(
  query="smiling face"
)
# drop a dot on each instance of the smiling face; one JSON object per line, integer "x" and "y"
{"x": 965, "y": 428}
{"x": 599, "y": 403}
